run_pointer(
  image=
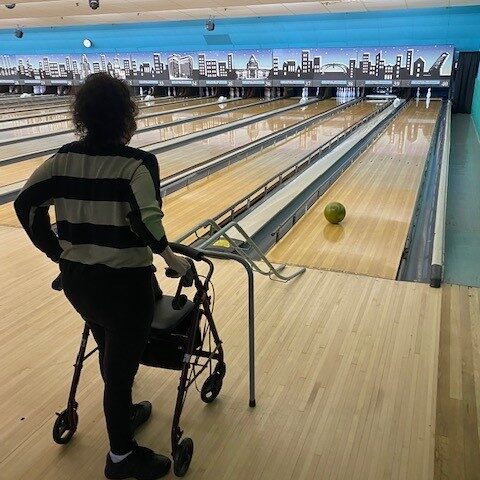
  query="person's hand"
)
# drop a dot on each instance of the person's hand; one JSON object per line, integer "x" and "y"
{"x": 179, "y": 264}
{"x": 176, "y": 262}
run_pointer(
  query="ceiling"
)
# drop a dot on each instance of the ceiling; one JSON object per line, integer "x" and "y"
{"x": 29, "y": 13}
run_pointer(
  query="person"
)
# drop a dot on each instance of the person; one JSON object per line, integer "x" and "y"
{"x": 109, "y": 222}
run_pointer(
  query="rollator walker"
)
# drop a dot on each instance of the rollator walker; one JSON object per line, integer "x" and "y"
{"x": 183, "y": 337}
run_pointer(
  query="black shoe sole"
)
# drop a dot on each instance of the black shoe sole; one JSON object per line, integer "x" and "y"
{"x": 125, "y": 476}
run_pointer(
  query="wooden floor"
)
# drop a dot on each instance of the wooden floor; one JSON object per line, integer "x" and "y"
{"x": 182, "y": 158}
{"x": 9, "y": 113}
{"x": 171, "y": 161}
{"x": 18, "y": 111}
{"x": 208, "y": 197}
{"x": 19, "y": 171}
{"x": 32, "y": 145}
{"x": 46, "y": 118}
{"x": 142, "y": 139}
{"x": 44, "y": 127}
{"x": 379, "y": 192}
{"x": 346, "y": 365}
{"x": 457, "y": 452}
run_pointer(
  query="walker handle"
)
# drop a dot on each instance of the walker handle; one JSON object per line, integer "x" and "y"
{"x": 186, "y": 251}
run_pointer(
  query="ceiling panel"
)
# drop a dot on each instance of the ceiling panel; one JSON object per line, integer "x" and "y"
{"x": 301, "y": 8}
{"x": 426, "y": 3}
{"x": 64, "y": 12}
{"x": 352, "y": 6}
{"x": 455, "y": 3}
{"x": 269, "y": 9}
{"x": 384, "y": 4}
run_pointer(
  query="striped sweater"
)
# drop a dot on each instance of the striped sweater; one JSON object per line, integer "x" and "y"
{"x": 107, "y": 206}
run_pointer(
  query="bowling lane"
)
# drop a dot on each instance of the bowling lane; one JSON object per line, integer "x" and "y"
{"x": 208, "y": 197}
{"x": 19, "y": 171}
{"x": 34, "y": 108}
{"x": 64, "y": 113}
{"x": 379, "y": 192}
{"x": 12, "y": 115}
{"x": 55, "y": 141}
{"x": 36, "y": 120}
{"x": 22, "y": 102}
{"x": 44, "y": 128}
{"x": 219, "y": 119}
{"x": 186, "y": 156}
{"x": 56, "y": 109}
{"x": 211, "y": 195}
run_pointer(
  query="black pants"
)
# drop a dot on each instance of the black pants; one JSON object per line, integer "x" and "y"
{"x": 119, "y": 308}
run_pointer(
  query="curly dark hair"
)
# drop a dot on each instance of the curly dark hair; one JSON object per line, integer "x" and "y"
{"x": 103, "y": 111}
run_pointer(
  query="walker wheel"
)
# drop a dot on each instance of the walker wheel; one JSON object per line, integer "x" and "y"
{"x": 183, "y": 457}
{"x": 221, "y": 369}
{"x": 211, "y": 388}
{"x": 63, "y": 429}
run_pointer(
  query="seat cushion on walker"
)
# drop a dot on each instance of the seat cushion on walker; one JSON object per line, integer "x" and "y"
{"x": 165, "y": 318}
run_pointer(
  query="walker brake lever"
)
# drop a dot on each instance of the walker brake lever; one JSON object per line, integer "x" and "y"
{"x": 180, "y": 300}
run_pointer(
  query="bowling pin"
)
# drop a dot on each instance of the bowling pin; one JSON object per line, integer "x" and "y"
{"x": 169, "y": 92}
{"x": 429, "y": 95}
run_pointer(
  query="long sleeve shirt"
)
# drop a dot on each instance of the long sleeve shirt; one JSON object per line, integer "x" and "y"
{"x": 107, "y": 206}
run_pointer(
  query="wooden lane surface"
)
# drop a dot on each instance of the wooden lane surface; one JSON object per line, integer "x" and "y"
{"x": 44, "y": 128}
{"x": 34, "y": 105}
{"x": 27, "y": 122}
{"x": 185, "y": 156}
{"x": 24, "y": 109}
{"x": 208, "y": 197}
{"x": 159, "y": 119}
{"x": 379, "y": 192}
{"x": 9, "y": 115}
{"x": 19, "y": 171}
{"x": 169, "y": 164}
{"x": 457, "y": 449}
{"x": 54, "y": 141}
{"x": 168, "y": 132}
{"x": 346, "y": 382}
{"x": 261, "y": 169}
{"x": 144, "y": 108}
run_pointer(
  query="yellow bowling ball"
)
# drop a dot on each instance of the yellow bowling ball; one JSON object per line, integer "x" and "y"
{"x": 335, "y": 212}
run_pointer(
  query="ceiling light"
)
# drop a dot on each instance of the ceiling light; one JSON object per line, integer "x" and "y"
{"x": 87, "y": 43}
{"x": 10, "y": 5}
{"x": 19, "y": 33}
{"x": 94, "y": 4}
{"x": 210, "y": 25}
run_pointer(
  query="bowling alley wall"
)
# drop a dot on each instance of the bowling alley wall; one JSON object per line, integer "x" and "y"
{"x": 476, "y": 104}
{"x": 413, "y": 47}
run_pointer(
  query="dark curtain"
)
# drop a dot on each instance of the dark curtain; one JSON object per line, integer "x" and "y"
{"x": 464, "y": 83}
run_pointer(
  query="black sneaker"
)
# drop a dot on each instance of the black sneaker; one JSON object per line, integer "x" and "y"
{"x": 141, "y": 464}
{"x": 141, "y": 413}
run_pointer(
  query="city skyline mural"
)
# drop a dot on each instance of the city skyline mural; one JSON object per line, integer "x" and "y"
{"x": 313, "y": 63}
{"x": 396, "y": 66}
